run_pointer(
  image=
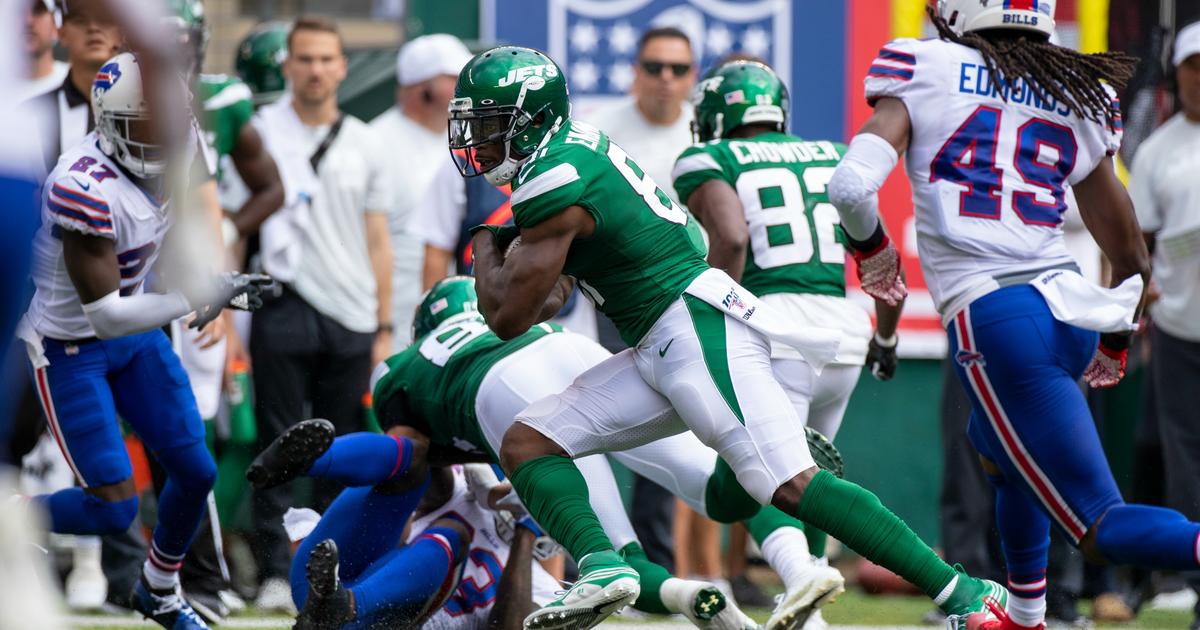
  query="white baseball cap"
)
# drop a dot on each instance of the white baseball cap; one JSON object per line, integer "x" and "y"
{"x": 1187, "y": 43}
{"x": 429, "y": 56}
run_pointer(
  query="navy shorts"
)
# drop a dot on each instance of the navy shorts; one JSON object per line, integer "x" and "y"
{"x": 1021, "y": 368}
{"x": 88, "y": 384}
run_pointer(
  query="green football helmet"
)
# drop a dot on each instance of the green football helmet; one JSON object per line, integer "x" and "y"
{"x": 260, "y": 61}
{"x": 449, "y": 297}
{"x": 186, "y": 17}
{"x": 511, "y": 97}
{"x": 735, "y": 94}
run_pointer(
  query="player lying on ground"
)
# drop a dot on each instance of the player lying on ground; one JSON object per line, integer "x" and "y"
{"x": 760, "y": 194}
{"x": 460, "y": 386}
{"x": 700, "y": 343}
{"x": 996, "y": 122}
{"x": 462, "y": 565}
{"x": 95, "y": 342}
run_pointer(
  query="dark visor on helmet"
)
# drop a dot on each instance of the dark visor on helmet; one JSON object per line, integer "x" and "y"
{"x": 472, "y": 128}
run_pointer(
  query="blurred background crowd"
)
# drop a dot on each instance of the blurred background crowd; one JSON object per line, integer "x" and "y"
{"x": 374, "y": 77}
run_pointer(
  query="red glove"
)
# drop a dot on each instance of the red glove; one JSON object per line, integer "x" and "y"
{"x": 1107, "y": 367}
{"x": 879, "y": 272}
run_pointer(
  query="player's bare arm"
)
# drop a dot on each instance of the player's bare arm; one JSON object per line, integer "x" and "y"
{"x": 890, "y": 121}
{"x": 1108, "y": 213}
{"x": 716, "y": 204}
{"x": 92, "y": 265}
{"x": 257, "y": 169}
{"x": 514, "y": 595}
{"x": 514, "y": 292}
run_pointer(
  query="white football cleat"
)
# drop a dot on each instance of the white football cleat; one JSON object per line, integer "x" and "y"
{"x": 606, "y": 584}
{"x": 707, "y": 606}
{"x": 819, "y": 585}
{"x": 86, "y": 586}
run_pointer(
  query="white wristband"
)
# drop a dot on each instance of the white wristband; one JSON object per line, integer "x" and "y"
{"x": 889, "y": 342}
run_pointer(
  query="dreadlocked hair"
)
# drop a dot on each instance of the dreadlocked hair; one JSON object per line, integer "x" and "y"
{"x": 1070, "y": 77}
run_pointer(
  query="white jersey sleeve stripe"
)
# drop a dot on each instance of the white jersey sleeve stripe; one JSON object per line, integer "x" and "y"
{"x": 694, "y": 163}
{"x": 556, "y": 177}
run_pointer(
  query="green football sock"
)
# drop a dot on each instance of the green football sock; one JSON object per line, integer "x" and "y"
{"x": 653, "y": 575}
{"x": 554, "y": 492}
{"x": 816, "y": 540}
{"x": 855, "y": 516}
{"x": 768, "y": 520}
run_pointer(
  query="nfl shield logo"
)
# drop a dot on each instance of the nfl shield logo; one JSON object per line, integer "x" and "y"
{"x": 595, "y": 41}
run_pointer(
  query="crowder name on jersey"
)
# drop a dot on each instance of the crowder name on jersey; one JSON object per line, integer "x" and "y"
{"x": 89, "y": 194}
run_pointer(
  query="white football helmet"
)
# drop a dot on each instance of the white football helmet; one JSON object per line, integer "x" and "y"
{"x": 973, "y": 15}
{"x": 118, "y": 102}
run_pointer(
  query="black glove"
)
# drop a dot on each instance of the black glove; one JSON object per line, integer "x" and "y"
{"x": 881, "y": 359}
{"x": 242, "y": 291}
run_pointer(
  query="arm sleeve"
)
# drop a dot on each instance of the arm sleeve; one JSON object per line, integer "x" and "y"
{"x": 892, "y": 71}
{"x": 438, "y": 217}
{"x": 115, "y": 315}
{"x": 855, "y": 184}
{"x": 1141, "y": 188}
{"x": 695, "y": 166}
{"x": 551, "y": 185}
{"x": 77, "y": 203}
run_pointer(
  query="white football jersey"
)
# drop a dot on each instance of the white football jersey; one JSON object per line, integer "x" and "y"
{"x": 988, "y": 174}
{"x": 86, "y": 192}
{"x": 475, "y": 595}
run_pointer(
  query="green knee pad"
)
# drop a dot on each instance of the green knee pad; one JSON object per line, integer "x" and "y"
{"x": 725, "y": 500}
{"x": 652, "y": 575}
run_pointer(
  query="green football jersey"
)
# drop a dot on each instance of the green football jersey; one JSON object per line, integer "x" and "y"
{"x": 645, "y": 249}
{"x": 796, "y": 241}
{"x": 225, "y": 104}
{"x": 432, "y": 385}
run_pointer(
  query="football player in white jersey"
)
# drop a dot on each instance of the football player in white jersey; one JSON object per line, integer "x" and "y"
{"x": 95, "y": 343}
{"x": 996, "y": 121}
{"x": 467, "y": 561}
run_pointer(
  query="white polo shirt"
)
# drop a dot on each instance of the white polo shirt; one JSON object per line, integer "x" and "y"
{"x": 1165, "y": 187}
{"x": 334, "y": 273}
{"x": 413, "y": 154}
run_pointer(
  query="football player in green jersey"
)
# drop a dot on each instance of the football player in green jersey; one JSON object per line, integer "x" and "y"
{"x": 450, "y": 397}
{"x": 584, "y": 210}
{"x": 224, "y": 107}
{"x": 760, "y": 194}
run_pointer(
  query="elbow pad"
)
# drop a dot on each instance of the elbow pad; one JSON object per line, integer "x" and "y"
{"x": 859, "y": 176}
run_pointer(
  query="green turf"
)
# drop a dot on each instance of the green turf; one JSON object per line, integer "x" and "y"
{"x": 853, "y": 608}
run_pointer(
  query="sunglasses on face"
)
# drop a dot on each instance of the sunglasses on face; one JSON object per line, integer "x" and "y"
{"x": 655, "y": 68}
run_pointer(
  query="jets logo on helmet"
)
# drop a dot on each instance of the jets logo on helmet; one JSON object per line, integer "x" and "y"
{"x": 508, "y": 101}
{"x": 107, "y": 76}
{"x": 976, "y": 15}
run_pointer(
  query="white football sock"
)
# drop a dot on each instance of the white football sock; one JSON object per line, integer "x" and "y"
{"x": 157, "y": 578}
{"x": 786, "y": 550}
{"x": 1027, "y": 611}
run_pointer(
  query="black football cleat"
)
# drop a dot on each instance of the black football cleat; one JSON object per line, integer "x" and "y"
{"x": 327, "y": 606}
{"x": 291, "y": 454}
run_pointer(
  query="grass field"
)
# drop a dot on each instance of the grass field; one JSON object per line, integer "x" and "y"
{"x": 852, "y": 611}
